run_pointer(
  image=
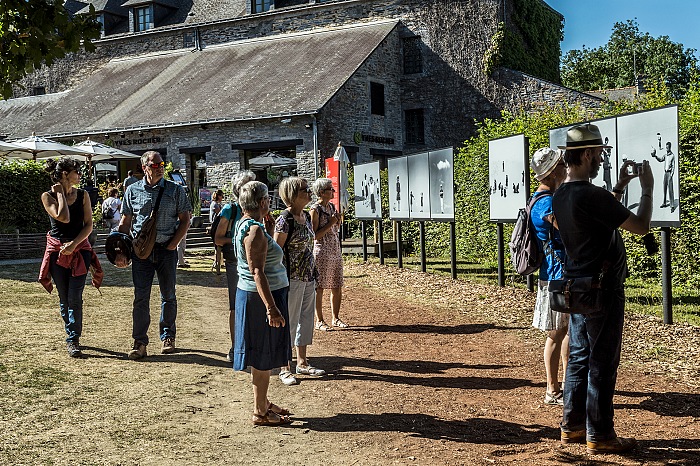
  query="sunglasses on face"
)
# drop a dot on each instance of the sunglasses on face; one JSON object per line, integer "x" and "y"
{"x": 156, "y": 164}
{"x": 331, "y": 190}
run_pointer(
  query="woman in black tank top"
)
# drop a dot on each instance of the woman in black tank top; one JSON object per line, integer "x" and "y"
{"x": 70, "y": 214}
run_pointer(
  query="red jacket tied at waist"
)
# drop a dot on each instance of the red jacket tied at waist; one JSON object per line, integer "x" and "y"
{"x": 74, "y": 261}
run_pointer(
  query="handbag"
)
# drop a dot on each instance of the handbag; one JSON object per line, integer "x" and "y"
{"x": 146, "y": 239}
{"x": 582, "y": 295}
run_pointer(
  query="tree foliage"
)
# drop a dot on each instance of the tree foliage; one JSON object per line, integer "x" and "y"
{"x": 613, "y": 65}
{"x": 36, "y": 32}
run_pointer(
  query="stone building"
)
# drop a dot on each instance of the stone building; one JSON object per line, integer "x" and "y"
{"x": 214, "y": 83}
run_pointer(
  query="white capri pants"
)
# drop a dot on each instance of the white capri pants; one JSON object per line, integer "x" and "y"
{"x": 302, "y": 306}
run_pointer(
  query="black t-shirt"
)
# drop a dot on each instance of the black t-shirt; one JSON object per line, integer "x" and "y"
{"x": 588, "y": 217}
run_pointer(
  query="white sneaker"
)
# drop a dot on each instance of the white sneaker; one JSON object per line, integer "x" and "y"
{"x": 287, "y": 378}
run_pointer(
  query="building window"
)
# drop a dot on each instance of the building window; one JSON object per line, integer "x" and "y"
{"x": 412, "y": 57}
{"x": 260, "y": 6}
{"x": 144, "y": 18}
{"x": 415, "y": 126}
{"x": 101, "y": 19}
{"x": 376, "y": 92}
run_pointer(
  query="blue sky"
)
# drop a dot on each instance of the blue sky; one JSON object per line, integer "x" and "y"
{"x": 590, "y": 22}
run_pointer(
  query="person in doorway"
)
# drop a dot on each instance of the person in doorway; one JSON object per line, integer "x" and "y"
{"x": 68, "y": 254}
{"x": 329, "y": 261}
{"x": 589, "y": 219}
{"x": 262, "y": 340}
{"x": 230, "y": 215}
{"x": 172, "y": 223}
{"x": 214, "y": 210}
{"x": 294, "y": 233}
{"x": 550, "y": 171}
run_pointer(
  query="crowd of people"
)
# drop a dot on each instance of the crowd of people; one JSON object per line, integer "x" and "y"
{"x": 277, "y": 271}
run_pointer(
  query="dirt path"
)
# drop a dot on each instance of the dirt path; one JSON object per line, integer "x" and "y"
{"x": 450, "y": 382}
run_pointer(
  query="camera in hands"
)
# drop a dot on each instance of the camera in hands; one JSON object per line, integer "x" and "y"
{"x": 635, "y": 169}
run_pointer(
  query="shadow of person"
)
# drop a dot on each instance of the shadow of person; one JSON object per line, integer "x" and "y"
{"x": 475, "y": 430}
{"x": 672, "y": 404}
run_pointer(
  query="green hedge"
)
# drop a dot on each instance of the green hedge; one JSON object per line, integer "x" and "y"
{"x": 21, "y": 185}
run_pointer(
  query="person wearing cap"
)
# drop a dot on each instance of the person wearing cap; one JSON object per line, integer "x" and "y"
{"x": 589, "y": 219}
{"x": 172, "y": 221}
{"x": 550, "y": 171}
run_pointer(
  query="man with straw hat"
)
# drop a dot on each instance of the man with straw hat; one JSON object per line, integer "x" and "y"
{"x": 589, "y": 219}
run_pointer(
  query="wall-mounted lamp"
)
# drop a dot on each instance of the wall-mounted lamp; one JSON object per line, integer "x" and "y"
{"x": 286, "y": 120}
{"x": 308, "y": 126}
{"x": 140, "y": 134}
{"x": 122, "y": 135}
{"x": 106, "y": 135}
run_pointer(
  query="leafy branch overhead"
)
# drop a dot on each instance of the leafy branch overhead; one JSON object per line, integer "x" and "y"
{"x": 36, "y": 32}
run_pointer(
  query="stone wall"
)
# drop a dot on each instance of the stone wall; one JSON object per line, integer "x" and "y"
{"x": 349, "y": 110}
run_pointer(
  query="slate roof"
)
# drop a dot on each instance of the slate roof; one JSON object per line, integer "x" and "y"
{"x": 108, "y": 6}
{"x": 267, "y": 77}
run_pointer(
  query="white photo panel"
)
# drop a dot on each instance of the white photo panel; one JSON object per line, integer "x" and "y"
{"x": 368, "y": 201}
{"x": 442, "y": 184}
{"x": 607, "y": 175}
{"x": 653, "y": 136}
{"x": 419, "y": 186}
{"x": 507, "y": 172}
{"x": 398, "y": 188}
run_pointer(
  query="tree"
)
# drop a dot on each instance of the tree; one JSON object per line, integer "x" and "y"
{"x": 36, "y": 32}
{"x": 614, "y": 64}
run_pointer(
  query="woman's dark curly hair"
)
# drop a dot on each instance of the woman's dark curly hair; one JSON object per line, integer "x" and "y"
{"x": 56, "y": 167}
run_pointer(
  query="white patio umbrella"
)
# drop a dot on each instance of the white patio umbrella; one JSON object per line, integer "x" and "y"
{"x": 8, "y": 149}
{"x": 97, "y": 152}
{"x": 342, "y": 156}
{"x": 270, "y": 159}
{"x": 38, "y": 147}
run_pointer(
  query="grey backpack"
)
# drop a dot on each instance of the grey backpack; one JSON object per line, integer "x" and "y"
{"x": 525, "y": 252}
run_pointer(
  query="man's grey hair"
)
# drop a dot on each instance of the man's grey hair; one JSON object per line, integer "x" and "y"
{"x": 322, "y": 184}
{"x": 147, "y": 155}
{"x": 251, "y": 195}
{"x": 239, "y": 179}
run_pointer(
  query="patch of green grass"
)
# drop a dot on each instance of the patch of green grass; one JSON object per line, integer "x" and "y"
{"x": 44, "y": 379}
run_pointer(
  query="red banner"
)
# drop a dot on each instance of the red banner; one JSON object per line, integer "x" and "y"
{"x": 332, "y": 172}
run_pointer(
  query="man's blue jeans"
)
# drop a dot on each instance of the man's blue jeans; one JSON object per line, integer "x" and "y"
{"x": 595, "y": 341}
{"x": 70, "y": 295}
{"x": 163, "y": 263}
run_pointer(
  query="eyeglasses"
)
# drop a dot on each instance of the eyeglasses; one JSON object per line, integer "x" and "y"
{"x": 156, "y": 164}
{"x": 331, "y": 190}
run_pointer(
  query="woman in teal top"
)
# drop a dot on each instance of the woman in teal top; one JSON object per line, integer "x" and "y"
{"x": 262, "y": 340}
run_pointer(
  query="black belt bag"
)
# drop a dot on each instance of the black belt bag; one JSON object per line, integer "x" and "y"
{"x": 582, "y": 295}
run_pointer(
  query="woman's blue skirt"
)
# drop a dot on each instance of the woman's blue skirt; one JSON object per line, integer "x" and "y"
{"x": 257, "y": 344}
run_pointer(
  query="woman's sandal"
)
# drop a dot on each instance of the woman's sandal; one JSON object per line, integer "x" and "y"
{"x": 270, "y": 421}
{"x": 340, "y": 324}
{"x": 278, "y": 410}
{"x": 321, "y": 325}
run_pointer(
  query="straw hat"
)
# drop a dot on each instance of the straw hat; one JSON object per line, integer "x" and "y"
{"x": 583, "y": 137}
{"x": 544, "y": 161}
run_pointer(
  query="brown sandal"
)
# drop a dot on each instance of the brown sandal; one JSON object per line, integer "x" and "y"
{"x": 277, "y": 410}
{"x": 267, "y": 420}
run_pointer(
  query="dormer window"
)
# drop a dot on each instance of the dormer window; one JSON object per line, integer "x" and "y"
{"x": 260, "y": 6}
{"x": 143, "y": 17}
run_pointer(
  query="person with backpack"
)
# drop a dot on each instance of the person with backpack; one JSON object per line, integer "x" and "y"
{"x": 223, "y": 226}
{"x": 294, "y": 233}
{"x": 110, "y": 210}
{"x": 550, "y": 171}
